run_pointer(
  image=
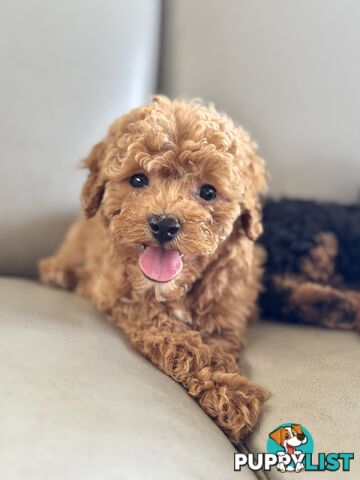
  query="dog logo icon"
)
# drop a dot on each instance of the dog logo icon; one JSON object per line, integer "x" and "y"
{"x": 289, "y": 440}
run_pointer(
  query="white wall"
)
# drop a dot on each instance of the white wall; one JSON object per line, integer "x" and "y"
{"x": 289, "y": 71}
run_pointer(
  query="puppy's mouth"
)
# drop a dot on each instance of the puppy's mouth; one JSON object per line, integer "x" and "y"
{"x": 290, "y": 449}
{"x": 160, "y": 264}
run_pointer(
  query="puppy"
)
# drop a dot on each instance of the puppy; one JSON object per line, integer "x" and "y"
{"x": 289, "y": 438}
{"x": 312, "y": 273}
{"x": 166, "y": 248}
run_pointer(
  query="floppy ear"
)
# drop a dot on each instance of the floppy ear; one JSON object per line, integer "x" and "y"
{"x": 94, "y": 186}
{"x": 276, "y": 435}
{"x": 297, "y": 428}
{"x": 250, "y": 218}
{"x": 250, "y": 221}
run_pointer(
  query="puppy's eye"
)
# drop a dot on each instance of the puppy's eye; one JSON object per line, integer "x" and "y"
{"x": 139, "y": 180}
{"x": 207, "y": 192}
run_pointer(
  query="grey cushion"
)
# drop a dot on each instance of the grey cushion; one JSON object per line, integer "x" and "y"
{"x": 77, "y": 402}
{"x": 279, "y": 69}
{"x": 313, "y": 376}
{"x": 68, "y": 69}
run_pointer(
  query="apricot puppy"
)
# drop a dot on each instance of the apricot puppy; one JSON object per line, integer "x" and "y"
{"x": 166, "y": 248}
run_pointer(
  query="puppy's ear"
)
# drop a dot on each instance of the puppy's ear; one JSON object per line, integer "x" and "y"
{"x": 250, "y": 217}
{"x": 250, "y": 222}
{"x": 93, "y": 189}
{"x": 276, "y": 435}
{"x": 297, "y": 428}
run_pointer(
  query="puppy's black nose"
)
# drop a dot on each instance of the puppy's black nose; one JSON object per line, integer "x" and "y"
{"x": 163, "y": 227}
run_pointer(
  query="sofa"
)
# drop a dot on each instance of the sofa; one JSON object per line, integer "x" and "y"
{"x": 76, "y": 401}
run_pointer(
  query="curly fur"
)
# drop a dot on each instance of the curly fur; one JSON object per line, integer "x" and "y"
{"x": 192, "y": 327}
{"x": 313, "y": 264}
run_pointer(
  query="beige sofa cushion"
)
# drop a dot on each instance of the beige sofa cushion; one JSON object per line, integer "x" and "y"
{"x": 286, "y": 70}
{"x": 76, "y": 402}
{"x": 67, "y": 70}
{"x": 313, "y": 376}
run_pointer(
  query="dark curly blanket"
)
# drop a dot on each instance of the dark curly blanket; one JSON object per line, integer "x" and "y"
{"x": 313, "y": 262}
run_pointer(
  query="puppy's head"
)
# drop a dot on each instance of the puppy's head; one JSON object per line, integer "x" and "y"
{"x": 289, "y": 437}
{"x": 172, "y": 181}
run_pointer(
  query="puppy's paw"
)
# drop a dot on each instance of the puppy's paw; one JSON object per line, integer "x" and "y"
{"x": 54, "y": 274}
{"x": 234, "y": 403}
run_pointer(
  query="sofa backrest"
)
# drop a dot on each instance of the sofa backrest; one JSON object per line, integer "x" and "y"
{"x": 285, "y": 69}
{"x": 68, "y": 69}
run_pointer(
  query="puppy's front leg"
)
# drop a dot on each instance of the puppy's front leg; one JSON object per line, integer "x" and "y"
{"x": 222, "y": 391}
{"x": 230, "y": 399}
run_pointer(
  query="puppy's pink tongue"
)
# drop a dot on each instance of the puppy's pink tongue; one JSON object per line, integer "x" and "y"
{"x": 160, "y": 264}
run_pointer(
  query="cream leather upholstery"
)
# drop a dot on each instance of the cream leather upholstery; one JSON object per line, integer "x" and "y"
{"x": 68, "y": 68}
{"x": 313, "y": 376}
{"x": 77, "y": 402}
{"x": 286, "y": 71}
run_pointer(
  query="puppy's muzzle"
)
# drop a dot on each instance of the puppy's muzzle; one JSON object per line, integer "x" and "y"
{"x": 164, "y": 227}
